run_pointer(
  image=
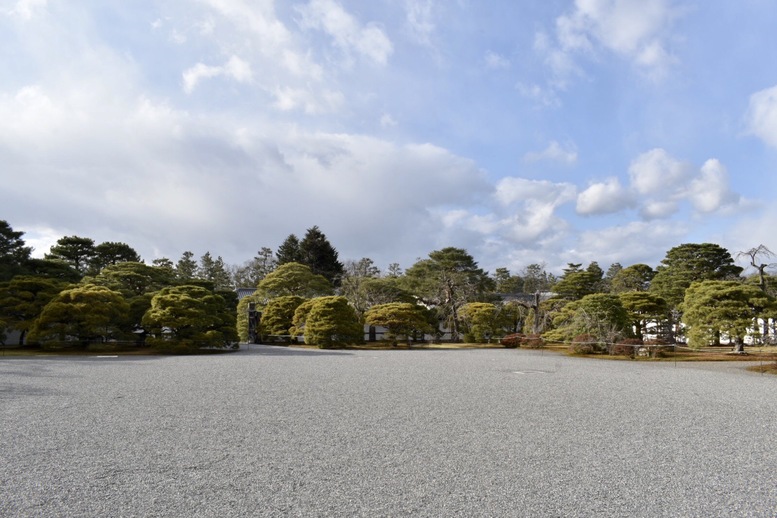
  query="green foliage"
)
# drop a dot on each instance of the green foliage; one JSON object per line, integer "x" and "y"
{"x": 77, "y": 252}
{"x": 13, "y": 252}
{"x": 482, "y": 321}
{"x": 331, "y": 322}
{"x": 23, "y": 298}
{"x": 52, "y": 269}
{"x": 506, "y": 282}
{"x": 535, "y": 279}
{"x": 300, "y": 318}
{"x": 576, "y": 283}
{"x": 215, "y": 272}
{"x": 401, "y": 319}
{"x": 357, "y": 273}
{"x": 133, "y": 278}
{"x": 321, "y": 256}
{"x": 600, "y": 315}
{"x": 293, "y": 279}
{"x": 241, "y": 321}
{"x": 513, "y": 316}
{"x": 690, "y": 263}
{"x": 84, "y": 313}
{"x": 715, "y": 308}
{"x": 278, "y": 315}
{"x": 644, "y": 308}
{"x": 111, "y": 253}
{"x": 188, "y": 318}
{"x": 186, "y": 267}
{"x": 447, "y": 280}
{"x": 636, "y": 277}
{"x": 136, "y": 282}
{"x": 289, "y": 251}
{"x": 253, "y": 271}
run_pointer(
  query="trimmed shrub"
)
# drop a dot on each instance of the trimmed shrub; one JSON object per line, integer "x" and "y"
{"x": 331, "y": 322}
{"x": 533, "y": 342}
{"x": 585, "y": 344}
{"x": 627, "y": 347}
{"x": 512, "y": 341}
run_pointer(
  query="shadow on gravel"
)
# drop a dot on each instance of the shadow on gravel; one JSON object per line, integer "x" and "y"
{"x": 276, "y": 350}
{"x": 10, "y": 391}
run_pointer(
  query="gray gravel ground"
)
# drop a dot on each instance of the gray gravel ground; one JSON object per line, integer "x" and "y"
{"x": 290, "y": 432}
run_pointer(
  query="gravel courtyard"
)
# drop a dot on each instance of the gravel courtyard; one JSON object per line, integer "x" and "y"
{"x": 292, "y": 432}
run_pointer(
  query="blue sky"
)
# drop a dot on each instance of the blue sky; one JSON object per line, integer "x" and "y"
{"x": 526, "y": 132}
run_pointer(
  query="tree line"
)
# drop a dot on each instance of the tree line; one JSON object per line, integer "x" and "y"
{"x": 82, "y": 292}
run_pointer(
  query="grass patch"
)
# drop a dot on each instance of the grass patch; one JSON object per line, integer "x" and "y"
{"x": 764, "y": 368}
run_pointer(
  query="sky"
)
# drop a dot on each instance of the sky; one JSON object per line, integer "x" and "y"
{"x": 546, "y": 131}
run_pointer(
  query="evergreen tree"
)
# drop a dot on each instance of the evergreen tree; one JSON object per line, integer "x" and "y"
{"x": 321, "y": 256}
{"x": 77, "y": 252}
{"x": 186, "y": 267}
{"x": 214, "y": 271}
{"x": 535, "y": 278}
{"x": 13, "y": 252}
{"x": 448, "y": 279}
{"x": 289, "y": 251}
{"x": 109, "y": 253}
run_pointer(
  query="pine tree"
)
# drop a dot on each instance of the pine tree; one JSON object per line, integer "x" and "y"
{"x": 289, "y": 251}
{"x": 321, "y": 256}
{"x": 186, "y": 267}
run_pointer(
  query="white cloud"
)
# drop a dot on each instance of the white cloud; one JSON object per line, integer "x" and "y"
{"x": 420, "y": 20}
{"x": 555, "y": 152}
{"x": 761, "y": 117}
{"x": 348, "y": 34}
{"x": 496, "y": 61}
{"x": 626, "y": 243}
{"x": 637, "y": 30}
{"x": 235, "y": 68}
{"x": 710, "y": 191}
{"x": 325, "y": 101}
{"x": 656, "y": 172}
{"x": 603, "y": 198}
{"x": 511, "y": 190}
{"x": 542, "y": 96}
{"x": 661, "y": 183}
{"x": 658, "y": 209}
{"x": 27, "y": 9}
{"x": 387, "y": 121}
{"x": 530, "y": 208}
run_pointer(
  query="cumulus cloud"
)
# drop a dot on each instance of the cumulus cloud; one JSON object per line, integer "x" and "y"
{"x": 626, "y": 243}
{"x": 528, "y": 209}
{"x": 603, "y": 198}
{"x": 632, "y": 28}
{"x": 235, "y": 68}
{"x": 511, "y": 190}
{"x": 346, "y": 31}
{"x": 555, "y": 152}
{"x": 710, "y": 191}
{"x": 661, "y": 182}
{"x": 761, "y": 117}
{"x": 656, "y": 172}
